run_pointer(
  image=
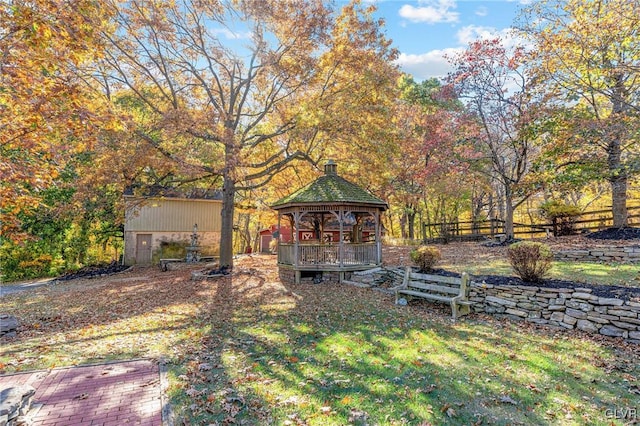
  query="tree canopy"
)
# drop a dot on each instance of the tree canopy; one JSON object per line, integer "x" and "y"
{"x": 247, "y": 99}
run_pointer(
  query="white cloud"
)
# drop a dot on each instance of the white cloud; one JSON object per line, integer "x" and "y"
{"x": 431, "y": 12}
{"x": 470, "y": 33}
{"x": 482, "y": 11}
{"x": 231, "y": 35}
{"x": 427, "y": 65}
{"x": 434, "y": 64}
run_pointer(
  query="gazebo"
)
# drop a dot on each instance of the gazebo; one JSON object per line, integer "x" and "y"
{"x": 336, "y": 229}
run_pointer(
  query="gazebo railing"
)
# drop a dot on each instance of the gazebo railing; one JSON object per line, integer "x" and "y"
{"x": 328, "y": 254}
{"x": 360, "y": 254}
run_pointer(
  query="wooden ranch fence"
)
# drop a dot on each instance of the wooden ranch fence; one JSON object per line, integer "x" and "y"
{"x": 473, "y": 231}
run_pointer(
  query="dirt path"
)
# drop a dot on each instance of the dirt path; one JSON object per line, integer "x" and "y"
{"x": 24, "y": 286}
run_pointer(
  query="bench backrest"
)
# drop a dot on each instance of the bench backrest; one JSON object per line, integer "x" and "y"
{"x": 437, "y": 284}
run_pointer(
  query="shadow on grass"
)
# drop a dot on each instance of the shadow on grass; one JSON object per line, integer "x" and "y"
{"x": 331, "y": 354}
{"x": 117, "y": 320}
{"x": 247, "y": 348}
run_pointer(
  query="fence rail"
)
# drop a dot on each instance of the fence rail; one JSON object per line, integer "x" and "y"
{"x": 470, "y": 231}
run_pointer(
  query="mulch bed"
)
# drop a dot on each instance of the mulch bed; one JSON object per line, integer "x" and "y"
{"x": 628, "y": 233}
{"x": 620, "y": 235}
{"x": 94, "y": 271}
{"x": 606, "y": 291}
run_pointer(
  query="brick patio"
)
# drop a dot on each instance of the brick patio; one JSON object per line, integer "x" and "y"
{"x": 121, "y": 393}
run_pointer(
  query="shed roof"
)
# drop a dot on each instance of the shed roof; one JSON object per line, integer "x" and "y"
{"x": 330, "y": 188}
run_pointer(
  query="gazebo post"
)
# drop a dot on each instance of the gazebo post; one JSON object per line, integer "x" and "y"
{"x": 378, "y": 238}
{"x": 279, "y": 239}
{"x": 341, "y": 215}
{"x": 296, "y": 245}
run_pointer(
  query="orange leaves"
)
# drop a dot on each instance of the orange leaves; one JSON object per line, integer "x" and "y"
{"x": 347, "y": 400}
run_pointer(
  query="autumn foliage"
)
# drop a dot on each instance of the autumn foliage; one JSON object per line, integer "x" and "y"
{"x": 47, "y": 114}
{"x": 426, "y": 257}
{"x": 248, "y": 99}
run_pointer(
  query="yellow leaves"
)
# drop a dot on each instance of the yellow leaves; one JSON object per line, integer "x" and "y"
{"x": 43, "y": 104}
{"x": 346, "y": 400}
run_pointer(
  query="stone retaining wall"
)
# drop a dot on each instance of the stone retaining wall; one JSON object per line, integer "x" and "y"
{"x": 568, "y": 308}
{"x": 601, "y": 254}
{"x": 562, "y": 307}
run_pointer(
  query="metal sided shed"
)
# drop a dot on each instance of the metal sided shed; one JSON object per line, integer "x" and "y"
{"x": 150, "y": 222}
{"x": 336, "y": 228}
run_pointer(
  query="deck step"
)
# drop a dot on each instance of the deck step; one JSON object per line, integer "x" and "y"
{"x": 356, "y": 284}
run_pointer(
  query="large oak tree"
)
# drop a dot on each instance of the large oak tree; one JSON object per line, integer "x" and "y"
{"x": 226, "y": 83}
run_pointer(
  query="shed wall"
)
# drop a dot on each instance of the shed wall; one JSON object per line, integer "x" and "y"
{"x": 172, "y": 215}
{"x": 171, "y": 220}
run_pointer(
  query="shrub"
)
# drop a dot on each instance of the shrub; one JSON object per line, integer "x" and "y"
{"x": 26, "y": 261}
{"x": 562, "y": 216}
{"x": 170, "y": 250}
{"x": 426, "y": 257}
{"x": 530, "y": 260}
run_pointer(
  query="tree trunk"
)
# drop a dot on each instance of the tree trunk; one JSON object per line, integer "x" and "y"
{"x": 228, "y": 199}
{"x": 618, "y": 175}
{"x": 390, "y": 219}
{"x": 411, "y": 220}
{"x": 619, "y": 200}
{"x": 508, "y": 216}
{"x": 226, "y": 233}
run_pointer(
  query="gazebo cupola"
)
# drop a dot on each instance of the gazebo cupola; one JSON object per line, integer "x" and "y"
{"x": 336, "y": 229}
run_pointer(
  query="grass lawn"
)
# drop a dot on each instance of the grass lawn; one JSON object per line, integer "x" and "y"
{"x": 247, "y": 349}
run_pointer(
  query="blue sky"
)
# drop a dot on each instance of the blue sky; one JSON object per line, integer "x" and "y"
{"x": 425, "y": 30}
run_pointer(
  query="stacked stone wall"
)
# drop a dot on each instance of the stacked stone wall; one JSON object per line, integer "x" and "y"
{"x": 601, "y": 254}
{"x": 568, "y": 308}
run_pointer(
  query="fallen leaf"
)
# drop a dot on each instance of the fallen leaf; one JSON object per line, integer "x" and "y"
{"x": 346, "y": 400}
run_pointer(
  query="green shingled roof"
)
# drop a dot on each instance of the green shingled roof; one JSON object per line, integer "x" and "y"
{"x": 329, "y": 188}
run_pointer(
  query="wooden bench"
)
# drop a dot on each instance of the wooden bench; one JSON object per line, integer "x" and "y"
{"x": 451, "y": 290}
